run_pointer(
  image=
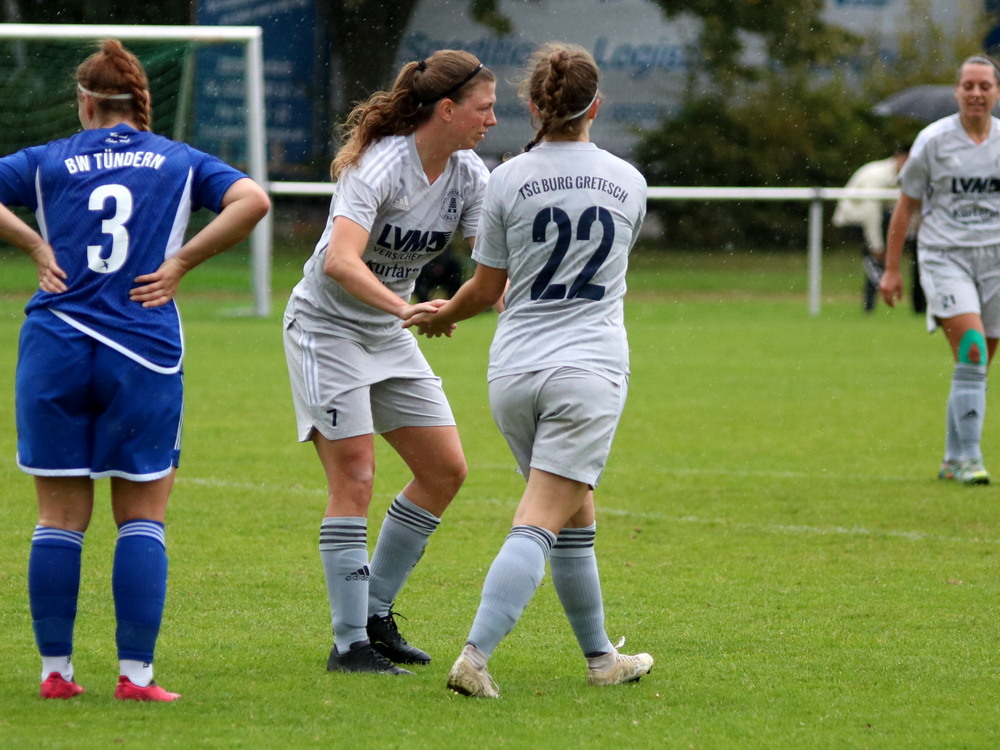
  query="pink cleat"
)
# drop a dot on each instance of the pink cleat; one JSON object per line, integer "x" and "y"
{"x": 127, "y": 691}
{"x": 57, "y": 687}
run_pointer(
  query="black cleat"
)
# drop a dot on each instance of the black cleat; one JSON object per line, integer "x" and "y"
{"x": 386, "y": 639}
{"x": 361, "y": 657}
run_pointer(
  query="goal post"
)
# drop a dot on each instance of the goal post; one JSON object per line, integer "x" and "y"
{"x": 251, "y": 39}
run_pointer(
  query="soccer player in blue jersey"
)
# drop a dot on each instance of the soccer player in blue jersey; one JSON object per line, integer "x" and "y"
{"x": 99, "y": 388}
{"x": 557, "y": 224}
{"x": 407, "y": 180}
{"x": 952, "y": 179}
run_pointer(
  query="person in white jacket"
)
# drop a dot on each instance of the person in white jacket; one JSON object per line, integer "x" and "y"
{"x": 864, "y": 219}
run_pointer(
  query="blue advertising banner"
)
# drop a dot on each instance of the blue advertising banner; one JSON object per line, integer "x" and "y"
{"x": 292, "y": 82}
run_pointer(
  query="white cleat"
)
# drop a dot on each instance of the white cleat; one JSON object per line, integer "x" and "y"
{"x": 971, "y": 472}
{"x": 466, "y": 679}
{"x": 624, "y": 668}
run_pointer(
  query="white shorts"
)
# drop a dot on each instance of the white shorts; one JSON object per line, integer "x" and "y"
{"x": 560, "y": 420}
{"x": 957, "y": 282}
{"x": 343, "y": 389}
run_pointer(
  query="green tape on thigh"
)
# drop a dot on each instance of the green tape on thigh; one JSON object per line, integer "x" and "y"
{"x": 971, "y": 338}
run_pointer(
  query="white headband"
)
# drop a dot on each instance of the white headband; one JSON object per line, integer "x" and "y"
{"x": 586, "y": 109}
{"x": 102, "y": 96}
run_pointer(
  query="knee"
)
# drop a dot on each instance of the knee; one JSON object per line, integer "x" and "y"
{"x": 445, "y": 479}
{"x": 349, "y": 499}
{"x": 359, "y": 476}
{"x": 66, "y": 521}
{"x": 350, "y": 487}
{"x": 972, "y": 348}
{"x": 453, "y": 476}
{"x": 461, "y": 473}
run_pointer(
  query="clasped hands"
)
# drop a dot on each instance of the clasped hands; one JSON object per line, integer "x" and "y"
{"x": 423, "y": 316}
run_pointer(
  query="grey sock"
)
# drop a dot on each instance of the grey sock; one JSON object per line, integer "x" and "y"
{"x": 513, "y": 577}
{"x": 343, "y": 548}
{"x": 400, "y": 545}
{"x": 576, "y": 579}
{"x": 952, "y": 445}
{"x": 967, "y": 408}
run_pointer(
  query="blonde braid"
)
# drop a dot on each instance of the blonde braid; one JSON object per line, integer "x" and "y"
{"x": 560, "y": 80}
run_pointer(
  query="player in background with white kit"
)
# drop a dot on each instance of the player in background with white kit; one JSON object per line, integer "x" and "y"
{"x": 558, "y": 222}
{"x": 952, "y": 179}
{"x": 407, "y": 180}
{"x": 99, "y": 389}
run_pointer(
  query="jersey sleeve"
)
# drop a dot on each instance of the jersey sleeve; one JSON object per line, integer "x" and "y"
{"x": 357, "y": 199}
{"x": 491, "y": 233}
{"x": 17, "y": 186}
{"x": 642, "y": 191}
{"x": 212, "y": 178}
{"x": 478, "y": 177}
{"x": 915, "y": 174}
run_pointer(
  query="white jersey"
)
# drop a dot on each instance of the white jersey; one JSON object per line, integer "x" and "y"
{"x": 959, "y": 183}
{"x": 409, "y": 222}
{"x": 561, "y": 219}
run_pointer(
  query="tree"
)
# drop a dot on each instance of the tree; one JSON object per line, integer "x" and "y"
{"x": 793, "y": 31}
{"x": 366, "y": 35}
{"x": 803, "y": 119}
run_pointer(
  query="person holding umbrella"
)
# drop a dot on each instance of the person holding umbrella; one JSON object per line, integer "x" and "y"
{"x": 952, "y": 179}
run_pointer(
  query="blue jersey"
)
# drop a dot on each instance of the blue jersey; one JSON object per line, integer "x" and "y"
{"x": 114, "y": 203}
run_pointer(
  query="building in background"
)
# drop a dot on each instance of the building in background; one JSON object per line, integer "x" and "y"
{"x": 642, "y": 54}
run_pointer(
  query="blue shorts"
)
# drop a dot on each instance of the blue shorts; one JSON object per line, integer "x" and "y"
{"x": 84, "y": 409}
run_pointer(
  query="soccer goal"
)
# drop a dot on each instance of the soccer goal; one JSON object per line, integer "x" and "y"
{"x": 37, "y": 101}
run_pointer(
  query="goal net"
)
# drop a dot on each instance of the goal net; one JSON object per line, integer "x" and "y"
{"x": 37, "y": 101}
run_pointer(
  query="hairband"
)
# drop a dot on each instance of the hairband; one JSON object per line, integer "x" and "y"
{"x": 982, "y": 60}
{"x": 422, "y": 66}
{"x": 586, "y": 109}
{"x": 454, "y": 88}
{"x": 94, "y": 94}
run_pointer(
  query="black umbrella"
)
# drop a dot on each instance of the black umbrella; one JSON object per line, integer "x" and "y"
{"x": 925, "y": 103}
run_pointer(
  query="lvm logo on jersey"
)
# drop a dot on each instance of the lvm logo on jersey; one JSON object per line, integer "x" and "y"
{"x": 405, "y": 246}
{"x": 396, "y": 243}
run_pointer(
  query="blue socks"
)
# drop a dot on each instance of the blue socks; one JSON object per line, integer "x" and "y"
{"x": 138, "y": 582}
{"x": 139, "y": 585}
{"x": 53, "y": 588}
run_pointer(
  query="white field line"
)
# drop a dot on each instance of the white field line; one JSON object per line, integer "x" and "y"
{"x": 769, "y": 528}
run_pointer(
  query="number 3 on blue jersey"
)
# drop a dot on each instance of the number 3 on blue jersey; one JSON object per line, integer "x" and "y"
{"x": 543, "y": 288}
{"x": 115, "y": 226}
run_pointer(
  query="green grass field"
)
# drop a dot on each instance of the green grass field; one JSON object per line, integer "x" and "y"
{"x": 770, "y": 529}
